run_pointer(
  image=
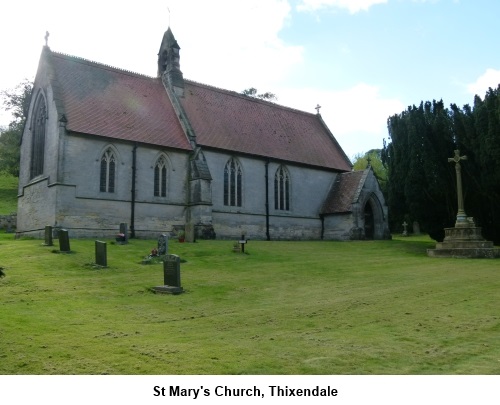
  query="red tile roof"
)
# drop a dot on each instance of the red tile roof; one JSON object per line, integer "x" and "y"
{"x": 227, "y": 120}
{"x": 344, "y": 192}
{"x": 114, "y": 103}
{"x": 106, "y": 101}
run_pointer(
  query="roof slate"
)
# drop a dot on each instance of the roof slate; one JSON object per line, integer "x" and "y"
{"x": 228, "y": 120}
{"x": 105, "y": 101}
{"x": 343, "y": 193}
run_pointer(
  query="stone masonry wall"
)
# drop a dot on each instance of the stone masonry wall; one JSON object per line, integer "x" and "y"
{"x": 8, "y": 222}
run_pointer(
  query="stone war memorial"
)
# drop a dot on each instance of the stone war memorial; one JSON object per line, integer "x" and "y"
{"x": 465, "y": 239}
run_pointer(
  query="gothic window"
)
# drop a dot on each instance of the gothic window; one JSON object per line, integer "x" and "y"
{"x": 107, "y": 177}
{"x": 160, "y": 180}
{"x": 282, "y": 189}
{"x": 38, "y": 139}
{"x": 232, "y": 183}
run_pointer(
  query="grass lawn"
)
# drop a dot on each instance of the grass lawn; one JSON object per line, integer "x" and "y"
{"x": 8, "y": 194}
{"x": 380, "y": 307}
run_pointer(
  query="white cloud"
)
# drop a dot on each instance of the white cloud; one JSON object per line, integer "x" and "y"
{"x": 490, "y": 78}
{"x": 356, "y": 116}
{"x": 353, "y": 6}
{"x": 240, "y": 43}
{"x": 225, "y": 43}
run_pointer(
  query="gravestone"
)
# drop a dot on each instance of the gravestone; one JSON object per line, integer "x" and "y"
{"x": 124, "y": 231}
{"x": 163, "y": 245}
{"x": 101, "y": 255}
{"x": 242, "y": 243}
{"x": 48, "y": 236}
{"x": 64, "y": 241}
{"x": 172, "y": 270}
{"x": 171, "y": 276}
{"x": 416, "y": 228}
{"x": 405, "y": 231}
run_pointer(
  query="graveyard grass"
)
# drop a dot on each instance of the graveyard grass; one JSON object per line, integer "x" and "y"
{"x": 377, "y": 307}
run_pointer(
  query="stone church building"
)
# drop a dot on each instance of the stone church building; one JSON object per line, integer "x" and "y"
{"x": 104, "y": 146}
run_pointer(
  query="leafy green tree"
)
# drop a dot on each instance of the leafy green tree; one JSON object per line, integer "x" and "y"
{"x": 16, "y": 101}
{"x": 252, "y": 92}
{"x": 9, "y": 148}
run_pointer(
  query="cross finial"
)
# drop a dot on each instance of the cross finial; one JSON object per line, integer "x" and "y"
{"x": 317, "y": 108}
{"x": 457, "y": 158}
{"x": 47, "y": 38}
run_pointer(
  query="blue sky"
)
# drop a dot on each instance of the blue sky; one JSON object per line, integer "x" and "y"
{"x": 361, "y": 60}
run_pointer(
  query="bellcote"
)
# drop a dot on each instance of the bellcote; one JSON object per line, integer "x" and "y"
{"x": 169, "y": 63}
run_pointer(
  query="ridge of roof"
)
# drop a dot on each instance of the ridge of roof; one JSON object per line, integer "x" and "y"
{"x": 245, "y": 97}
{"x": 105, "y": 66}
{"x": 234, "y": 93}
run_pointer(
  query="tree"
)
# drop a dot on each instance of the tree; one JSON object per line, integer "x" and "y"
{"x": 420, "y": 179}
{"x": 17, "y": 101}
{"x": 9, "y": 148}
{"x": 422, "y": 183}
{"x": 252, "y": 92}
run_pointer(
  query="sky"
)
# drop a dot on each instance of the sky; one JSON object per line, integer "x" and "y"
{"x": 362, "y": 61}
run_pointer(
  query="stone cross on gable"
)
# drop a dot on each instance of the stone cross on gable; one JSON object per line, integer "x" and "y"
{"x": 461, "y": 216}
{"x": 317, "y": 108}
{"x": 47, "y": 38}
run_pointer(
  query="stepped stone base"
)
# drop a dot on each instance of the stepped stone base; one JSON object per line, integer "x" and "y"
{"x": 464, "y": 242}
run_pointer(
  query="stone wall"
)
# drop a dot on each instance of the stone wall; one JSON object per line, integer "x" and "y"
{"x": 8, "y": 222}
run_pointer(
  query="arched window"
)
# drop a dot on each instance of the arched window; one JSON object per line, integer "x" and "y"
{"x": 160, "y": 180}
{"x": 232, "y": 183}
{"x": 38, "y": 139}
{"x": 282, "y": 189}
{"x": 108, "y": 164}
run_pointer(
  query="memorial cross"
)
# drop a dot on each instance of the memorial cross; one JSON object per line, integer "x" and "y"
{"x": 461, "y": 216}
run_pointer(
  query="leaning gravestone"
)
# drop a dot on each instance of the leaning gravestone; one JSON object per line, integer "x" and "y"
{"x": 48, "y": 236}
{"x": 171, "y": 276}
{"x": 64, "y": 241}
{"x": 163, "y": 245}
{"x": 101, "y": 256}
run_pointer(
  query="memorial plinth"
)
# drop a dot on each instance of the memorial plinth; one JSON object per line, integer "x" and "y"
{"x": 464, "y": 242}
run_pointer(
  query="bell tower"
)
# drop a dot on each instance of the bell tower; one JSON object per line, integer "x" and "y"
{"x": 169, "y": 63}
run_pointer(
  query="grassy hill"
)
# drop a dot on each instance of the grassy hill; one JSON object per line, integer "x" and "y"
{"x": 378, "y": 307}
{"x": 8, "y": 194}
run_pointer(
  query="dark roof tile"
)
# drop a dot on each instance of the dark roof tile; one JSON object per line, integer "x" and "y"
{"x": 343, "y": 193}
{"x": 105, "y": 101}
{"x": 227, "y": 120}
